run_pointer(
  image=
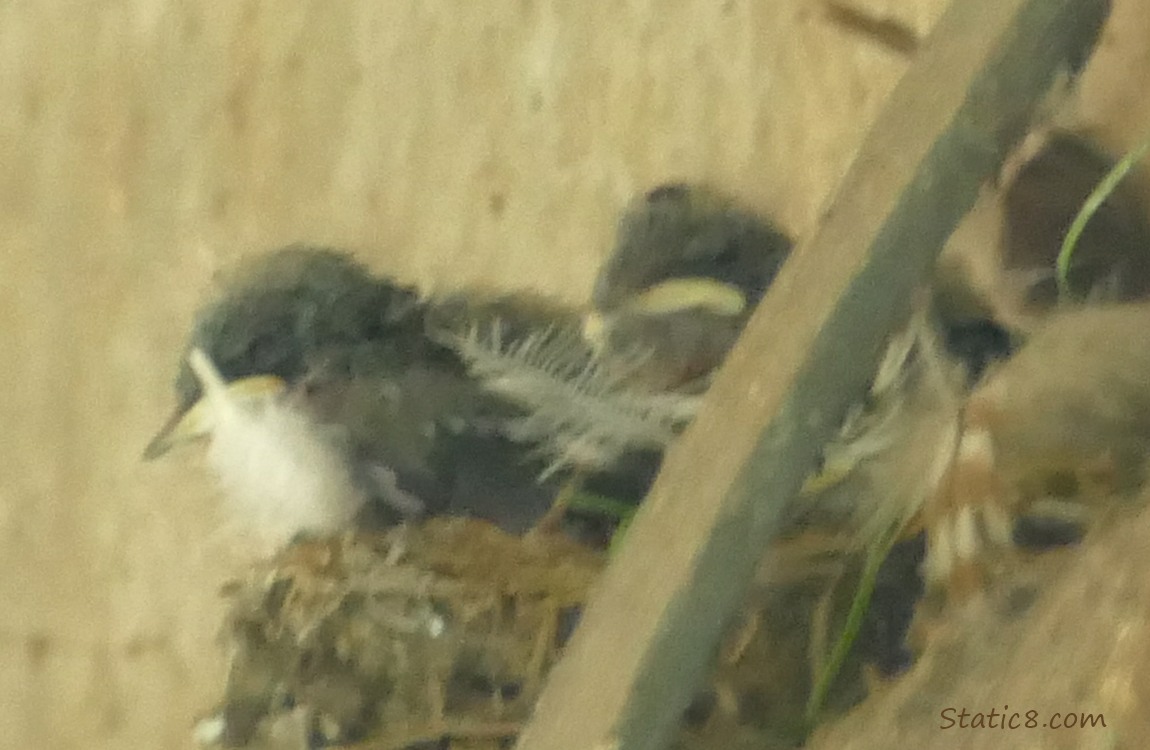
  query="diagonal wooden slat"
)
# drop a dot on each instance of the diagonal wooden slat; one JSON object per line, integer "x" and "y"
{"x": 648, "y": 635}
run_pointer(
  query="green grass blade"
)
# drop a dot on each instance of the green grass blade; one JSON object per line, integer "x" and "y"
{"x": 1093, "y": 201}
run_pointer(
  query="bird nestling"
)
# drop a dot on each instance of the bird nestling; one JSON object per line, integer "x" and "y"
{"x": 1064, "y": 416}
{"x": 1069, "y": 414}
{"x": 687, "y": 270}
{"x": 1065, "y": 419}
{"x": 1026, "y": 456}
{"x": 894, "y": 445}
{"x": 399, "y": 407}
{"x": 471, "y": 404}
{"x": 999, "y": 449}
{"x": 337, "y": 400}
{"x": 346, "y": 395}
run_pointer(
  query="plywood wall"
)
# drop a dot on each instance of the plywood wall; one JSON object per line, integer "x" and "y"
{"x": 145, "y": 144}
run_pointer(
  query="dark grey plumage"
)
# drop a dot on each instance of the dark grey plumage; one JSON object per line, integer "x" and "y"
{"x": 686, "y": 241}
{"x": 474, "y": 404}
{"x": 288, "y": 312}
{"x": 371, "y": 367}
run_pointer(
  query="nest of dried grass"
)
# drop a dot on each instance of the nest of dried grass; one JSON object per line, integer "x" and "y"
{"x": 443, "y": 630}
{"x": 441, "y": 636}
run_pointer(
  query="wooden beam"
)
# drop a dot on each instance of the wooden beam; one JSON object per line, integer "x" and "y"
{"x": 648, "y": 636}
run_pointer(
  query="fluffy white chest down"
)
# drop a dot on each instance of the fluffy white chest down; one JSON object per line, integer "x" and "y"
{"x": 281, "y": 474}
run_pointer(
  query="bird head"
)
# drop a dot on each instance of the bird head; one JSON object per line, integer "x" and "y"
{"x": 278, "y": 317}
{"x": 687, "y": 269}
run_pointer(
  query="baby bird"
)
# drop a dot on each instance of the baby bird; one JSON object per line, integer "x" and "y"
{"x": 284, "y": 313}
{"x": 688, "y": 267}
{"x": 325, "y": 398}
{"x": 1073, "y": 404}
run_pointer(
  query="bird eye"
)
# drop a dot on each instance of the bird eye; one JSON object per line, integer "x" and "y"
{"x": 728, "y": 255}
{"x": 266, "y": 352}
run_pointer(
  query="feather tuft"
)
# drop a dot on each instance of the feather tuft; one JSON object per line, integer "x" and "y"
{"x": 283, "y": 477}
{"x": 582, "y": 410}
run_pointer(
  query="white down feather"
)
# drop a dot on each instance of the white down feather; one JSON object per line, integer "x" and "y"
{"x": 282, "y": 475}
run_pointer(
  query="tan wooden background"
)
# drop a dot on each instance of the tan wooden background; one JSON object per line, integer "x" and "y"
{"x": 145, "y": 144}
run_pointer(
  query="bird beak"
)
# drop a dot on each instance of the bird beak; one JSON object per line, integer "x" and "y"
{"x": 189, "y": 423}
{"x": 691, "y": 292}
{"x": 672, "y": 296}
{"x": 171, "y": 433}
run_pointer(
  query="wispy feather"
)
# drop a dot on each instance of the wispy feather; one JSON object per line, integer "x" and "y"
{"x": 889, "y": 455}
{"x": 280, "y": 473}
{"x": 582, "y": 409}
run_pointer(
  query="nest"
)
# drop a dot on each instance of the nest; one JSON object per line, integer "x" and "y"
{"x": 441, "y": 635}
{"x": 444, "y": 630}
